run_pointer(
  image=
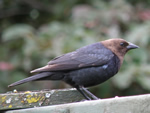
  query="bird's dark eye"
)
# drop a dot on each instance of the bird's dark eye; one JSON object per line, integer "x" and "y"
{"x": 123, "y": 44}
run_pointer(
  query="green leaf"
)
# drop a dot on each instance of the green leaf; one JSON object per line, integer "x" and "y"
{"x": 17, "y": 31}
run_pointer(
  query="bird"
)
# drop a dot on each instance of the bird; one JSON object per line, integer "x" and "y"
{"x": 85, "y": 67}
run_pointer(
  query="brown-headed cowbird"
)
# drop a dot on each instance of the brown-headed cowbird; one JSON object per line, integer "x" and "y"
{"x": 85, "y": 67}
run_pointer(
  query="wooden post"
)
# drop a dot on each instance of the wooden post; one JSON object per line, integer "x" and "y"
{"x": 31, "y": 99}
{"x": 132, "y": 104}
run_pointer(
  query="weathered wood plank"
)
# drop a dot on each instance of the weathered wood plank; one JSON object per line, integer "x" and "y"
{"x": 131, "y": 104}
{"x": 30, "y": 99}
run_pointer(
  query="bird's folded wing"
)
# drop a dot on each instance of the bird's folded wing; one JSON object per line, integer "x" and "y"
{"x": 91, "y": 55}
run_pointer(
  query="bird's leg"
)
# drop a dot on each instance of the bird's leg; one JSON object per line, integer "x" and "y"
{"x": 83, "y": 93}
{"x": 89, "y": 93}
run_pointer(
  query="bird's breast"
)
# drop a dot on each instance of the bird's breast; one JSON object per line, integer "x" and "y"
{"x": 91, "y": 76}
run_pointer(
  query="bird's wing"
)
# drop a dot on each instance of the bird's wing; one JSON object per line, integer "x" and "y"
{"x": 91, "y": 55}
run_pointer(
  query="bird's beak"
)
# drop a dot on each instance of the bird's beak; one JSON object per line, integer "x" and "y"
{"x": 132, "y": 46}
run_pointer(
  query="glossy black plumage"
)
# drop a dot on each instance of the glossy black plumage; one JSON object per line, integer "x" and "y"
{"x": 81, "y": 58}
{"x": 87, "y": 66}
{"x": 91, "y": 76}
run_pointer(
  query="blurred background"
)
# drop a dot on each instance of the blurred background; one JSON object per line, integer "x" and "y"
{"x": 32, "y": 32}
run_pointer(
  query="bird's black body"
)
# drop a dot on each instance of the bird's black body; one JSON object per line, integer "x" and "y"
{"x": 91, "y": 76}
{"x": 86, "y": 77}
{"x": 85, "y": 67}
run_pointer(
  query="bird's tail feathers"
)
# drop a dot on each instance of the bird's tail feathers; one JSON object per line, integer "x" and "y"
{"x": 32, "y": 78}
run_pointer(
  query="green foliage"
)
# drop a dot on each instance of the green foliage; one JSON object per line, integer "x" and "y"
{"x": 36, "y": 38}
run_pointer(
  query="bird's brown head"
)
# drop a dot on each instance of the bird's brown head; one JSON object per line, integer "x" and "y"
{"x": 119, "y": 46}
